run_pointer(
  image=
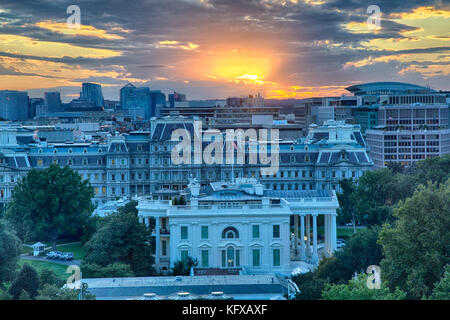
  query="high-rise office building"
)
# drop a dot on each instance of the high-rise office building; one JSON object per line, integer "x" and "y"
{"x": 158, "y": 102}
{"x": 35, "y": 105}
{"x": 92, "y": 92}
{"x": 53, "y": 102}
{"x": 176, "y": 97}
{"x": 405, "y": 123}
{"x": 136, "y": 102}
{"x": 13, "y": 105}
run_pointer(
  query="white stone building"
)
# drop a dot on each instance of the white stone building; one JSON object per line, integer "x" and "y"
{"x": 239, "y": 227}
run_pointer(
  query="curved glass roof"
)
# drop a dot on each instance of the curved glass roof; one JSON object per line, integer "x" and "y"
{"x": 387, "y": 88}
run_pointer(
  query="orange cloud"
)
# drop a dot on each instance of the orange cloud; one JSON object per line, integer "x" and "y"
{"x": 84, "y": 30}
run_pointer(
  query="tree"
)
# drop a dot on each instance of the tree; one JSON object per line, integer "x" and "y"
{"x": 416, "y": 247}
{"x": 374, "y": 196}
{"x": 121, "y": 238}
{"x": 27, "y": 280}
{"x": 113, "y": 270}
{"x": 396, "y": 167}
{"x": 347, "y": 210}
{"x": 50, "y": 203}
{"x": 357, "y": 289}
{"x": 49, "y": 277}
{"x": 9, "y": 254}
{"x": 52, "y": 292}
{"x": 435, "y": 169}
{"x": 360, "y": 252}
{"x": 310, "y": 286}
{"x": 183, "y": 268}
{"x": 441, "y": 289}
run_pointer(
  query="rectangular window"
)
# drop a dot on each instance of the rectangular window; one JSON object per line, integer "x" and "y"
{"x": 276, "y": 257}
{"x": 184, "y": 232}
{"x": 255, "y": 231}
{"x": 256, "y": 257}
{"x": 184, "y": 255}
{"x": 205, "y": 257}
{"x": 276, "y": 231}
{"x": 204, "y": 232}
{"x": 238, "y": 258}
{"x": 164, "y": 247}
{"x": 224, "y": 258}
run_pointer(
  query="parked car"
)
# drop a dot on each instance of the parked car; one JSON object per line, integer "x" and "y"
{"x": 66, "y": 256}
{"x": 51, "y": 255}
{"x": 340, "y": 243}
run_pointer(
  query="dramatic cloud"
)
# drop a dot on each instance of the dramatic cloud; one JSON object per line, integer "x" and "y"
{"x": 217, "y": 48}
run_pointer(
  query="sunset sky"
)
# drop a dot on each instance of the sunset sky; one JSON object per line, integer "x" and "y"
{"x": 220, "y": 48}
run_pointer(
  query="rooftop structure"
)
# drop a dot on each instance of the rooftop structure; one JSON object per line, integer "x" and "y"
{"x": 380, "y": 88}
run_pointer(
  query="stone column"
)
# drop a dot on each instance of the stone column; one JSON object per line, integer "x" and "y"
{"x": 302, "y": 237}
{"x": 333, "y": 232}
{"x": 157, "y": 241}
{"x": 308, "y": 235}
{"x": 296, "y": 236}
{"x": 315, "y": 256}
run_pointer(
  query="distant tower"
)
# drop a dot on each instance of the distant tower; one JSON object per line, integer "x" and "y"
{"x": 92, "y": 92}
{"x": 53, "y": 101}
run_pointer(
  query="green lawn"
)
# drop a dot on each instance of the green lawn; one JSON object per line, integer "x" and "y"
{"x": 76, "y": 249}
{"x": 58, "y": 269}
{"x": 346, "y": 232}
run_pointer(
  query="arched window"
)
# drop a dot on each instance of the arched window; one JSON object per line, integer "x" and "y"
{"x": 230, "y": 233}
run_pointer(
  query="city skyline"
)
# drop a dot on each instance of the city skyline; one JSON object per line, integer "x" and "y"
{"x": 281, "y": 49}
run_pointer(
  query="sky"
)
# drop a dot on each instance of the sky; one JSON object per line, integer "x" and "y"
{"x": 211, "y": 49}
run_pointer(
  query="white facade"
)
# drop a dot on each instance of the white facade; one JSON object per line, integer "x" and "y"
{"x": 242, "y": 227}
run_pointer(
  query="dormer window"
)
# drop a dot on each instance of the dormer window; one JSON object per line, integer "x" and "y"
{"x": 55, "y": 150}
{"x": 292, "y": 159}
{"x": 40, "y": 151}
{"x": 85, "y": 162}
{"x": 70, "y": 150}
{"x": 139, "y": 147}
{"x": 292, "y": 148}
{"x": 306, "y": 158}
{"x": 69, "y": 162}
{"x": 85, "y": 150}
{"x": 100, "y": 150}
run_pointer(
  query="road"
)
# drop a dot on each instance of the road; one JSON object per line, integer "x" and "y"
{"x": 67, "y": 263}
